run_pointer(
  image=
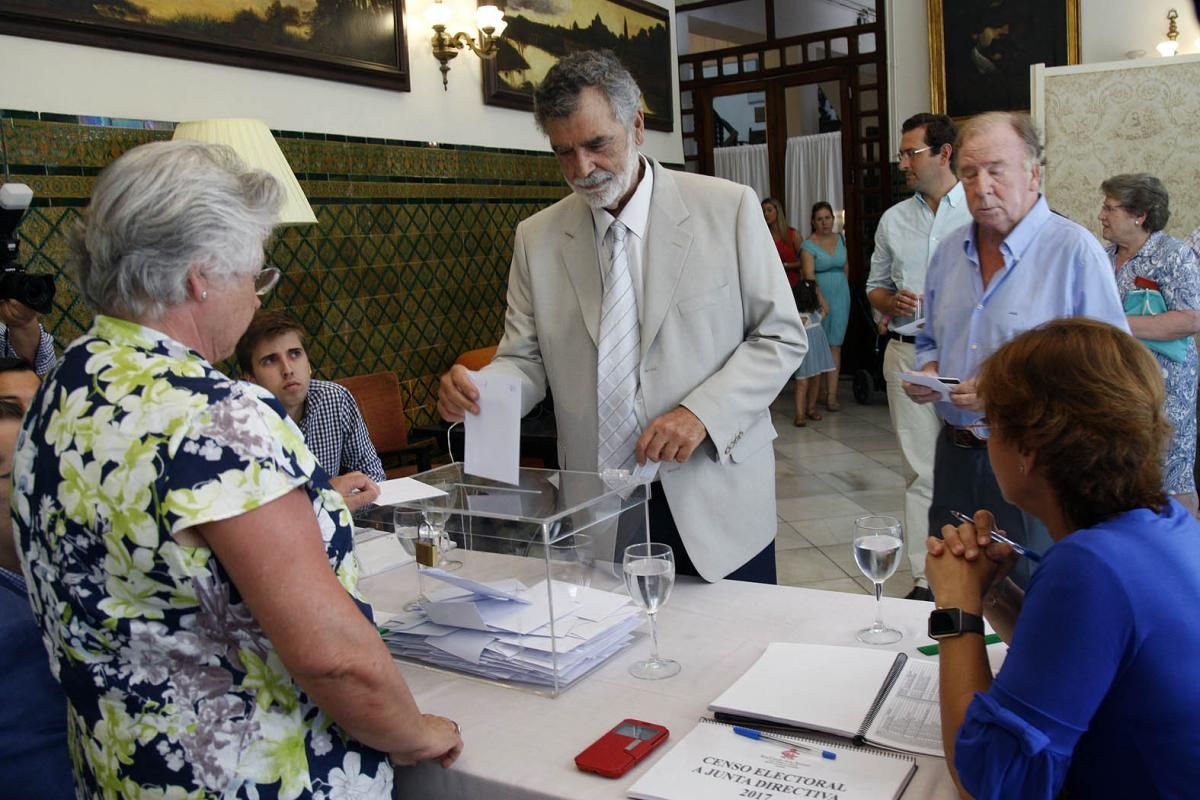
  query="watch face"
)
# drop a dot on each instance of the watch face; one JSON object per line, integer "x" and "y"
{"x": 943, "y": 622}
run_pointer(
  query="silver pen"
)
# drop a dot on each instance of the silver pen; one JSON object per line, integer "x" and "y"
{"x": 997, "y": 536}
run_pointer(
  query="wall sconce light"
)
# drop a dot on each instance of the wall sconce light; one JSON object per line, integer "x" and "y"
{"x": 1168, "y": 47}
{"x": 490, "y": 21}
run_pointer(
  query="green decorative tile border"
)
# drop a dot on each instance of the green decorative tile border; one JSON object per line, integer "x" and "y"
{"x": 405, "y": 269}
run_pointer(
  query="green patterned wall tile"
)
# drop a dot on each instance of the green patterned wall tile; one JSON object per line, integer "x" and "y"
{"x": 400, "y": 273}
{"x": 62, "y": 144}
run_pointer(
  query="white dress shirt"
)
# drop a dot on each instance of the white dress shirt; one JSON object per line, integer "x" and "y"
{"x": 908, "y": 234}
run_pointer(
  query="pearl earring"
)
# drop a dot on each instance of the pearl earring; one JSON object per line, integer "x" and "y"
{"x": 204, "y": 295}
{"x": 1021, "y": 468}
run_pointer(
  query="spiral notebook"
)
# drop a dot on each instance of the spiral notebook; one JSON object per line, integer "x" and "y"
{"x": 870, "y": 696}
{"x": 714, "y": 763}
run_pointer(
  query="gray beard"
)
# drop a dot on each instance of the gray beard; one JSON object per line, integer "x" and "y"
{"x": 608, "y": 192}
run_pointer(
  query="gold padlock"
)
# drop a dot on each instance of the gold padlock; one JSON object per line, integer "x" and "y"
{"x": 427, "y": 554}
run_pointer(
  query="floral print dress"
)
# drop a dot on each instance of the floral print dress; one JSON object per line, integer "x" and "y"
{"x": 173, "y": 690}
{"x": 1172, "y": 265}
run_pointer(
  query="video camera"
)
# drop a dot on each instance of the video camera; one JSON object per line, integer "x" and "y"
{"x": 35, "y": 291}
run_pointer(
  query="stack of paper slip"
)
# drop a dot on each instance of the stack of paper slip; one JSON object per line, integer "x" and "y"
{"x": 501, "y": 630}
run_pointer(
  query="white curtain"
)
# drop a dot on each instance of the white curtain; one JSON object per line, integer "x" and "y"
{"x": 745, "y": 164}
{"x": 813, "y": 172}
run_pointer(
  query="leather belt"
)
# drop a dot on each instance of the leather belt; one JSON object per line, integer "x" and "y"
{"x": 964, "y": 437}
{"x": 902, "y": 338}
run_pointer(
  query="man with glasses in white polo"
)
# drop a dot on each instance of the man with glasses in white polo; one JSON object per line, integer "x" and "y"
{"x": 907, "y": 235}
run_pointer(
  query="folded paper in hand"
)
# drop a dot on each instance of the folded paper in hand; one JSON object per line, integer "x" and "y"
{"x": 926, "y": 380}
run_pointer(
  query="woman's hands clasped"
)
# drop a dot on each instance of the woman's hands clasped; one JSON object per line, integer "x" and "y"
{"x": 965, "y": 564}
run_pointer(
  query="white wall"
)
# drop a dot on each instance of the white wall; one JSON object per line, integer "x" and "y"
{"x": 69, "y": 79}
{"x": 1108, "y": 29}
{"x": 809, "y": 16}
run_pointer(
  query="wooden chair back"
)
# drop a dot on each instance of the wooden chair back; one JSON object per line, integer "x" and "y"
{"x": 381, "y": 404}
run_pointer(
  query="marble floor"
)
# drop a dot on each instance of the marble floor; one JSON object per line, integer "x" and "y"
{"x": 827, "y": 474}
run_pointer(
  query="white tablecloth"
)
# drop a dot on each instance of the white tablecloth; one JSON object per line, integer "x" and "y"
{"x": 522, "y": 745}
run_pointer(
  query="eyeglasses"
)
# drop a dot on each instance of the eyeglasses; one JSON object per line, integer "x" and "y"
{"x": 911, "y": 152}
{"x": 265, "y": 280}
{"x": 980, "y": 428}
{"x": 1105, "y": 208}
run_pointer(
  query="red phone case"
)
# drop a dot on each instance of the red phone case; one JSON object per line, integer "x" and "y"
{"x": 613, "y": 754}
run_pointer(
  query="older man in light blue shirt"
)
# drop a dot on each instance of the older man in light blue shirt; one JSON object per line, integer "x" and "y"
{"x": 1017, "y": 266}
{"x": 906, "y": 238}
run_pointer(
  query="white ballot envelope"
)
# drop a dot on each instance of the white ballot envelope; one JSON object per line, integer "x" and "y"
{"x": 403, "y": 490}
{"x": 493, "y": 436}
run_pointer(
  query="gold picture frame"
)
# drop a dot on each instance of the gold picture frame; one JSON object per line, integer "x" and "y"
{"x": 538, "y": 35}
{"x": 965, "y": 80}
{"x": 361, "y": 42}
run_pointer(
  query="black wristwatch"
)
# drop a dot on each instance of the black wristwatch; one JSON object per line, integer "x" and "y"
{"x": 945, "y": 623}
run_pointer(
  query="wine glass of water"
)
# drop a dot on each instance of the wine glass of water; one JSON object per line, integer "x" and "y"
{"x": 437, "y": 514}
{"x": 649, "y": 576}
{"x": 408, "y": 524}
{"x": 878, "y": 543}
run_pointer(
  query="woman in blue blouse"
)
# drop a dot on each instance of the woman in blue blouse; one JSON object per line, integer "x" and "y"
{"x": 1148, "y": 261}
{"x": 1097, "y": 696}
{"x": 824, "y": 252}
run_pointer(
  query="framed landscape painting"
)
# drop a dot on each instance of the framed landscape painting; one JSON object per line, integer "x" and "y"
{"x": 540, "y": 32}
{"x": 355, "y": 42}
{"x": 980, "y": 51}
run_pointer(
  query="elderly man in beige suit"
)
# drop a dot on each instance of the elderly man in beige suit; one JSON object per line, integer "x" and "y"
{"x": 653, "y": 305}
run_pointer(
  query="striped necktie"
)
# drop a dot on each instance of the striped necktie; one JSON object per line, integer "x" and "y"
{"x": 618, "y": 357}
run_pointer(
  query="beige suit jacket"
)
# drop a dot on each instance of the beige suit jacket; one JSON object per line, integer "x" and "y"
{"x": 720, "y": 335}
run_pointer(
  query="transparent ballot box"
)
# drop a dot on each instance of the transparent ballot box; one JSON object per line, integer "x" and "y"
{"x": 520, "y": 584}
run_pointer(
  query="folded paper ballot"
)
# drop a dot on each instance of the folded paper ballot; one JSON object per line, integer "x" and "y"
{"x": 911, "y": 328}
{"x": 502, "y": 630}
{"x": 939, "y": 384}
{"x": 403, "y": 490}
{"x": 503, "y": 590}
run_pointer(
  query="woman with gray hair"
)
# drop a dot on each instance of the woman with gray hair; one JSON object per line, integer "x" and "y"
{"x": 1159, "y": 283}
{"x": 189, "y": 566}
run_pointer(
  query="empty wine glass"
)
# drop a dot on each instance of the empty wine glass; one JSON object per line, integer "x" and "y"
{"x": 649, "y": 575}
{"x": 878, "y": 543}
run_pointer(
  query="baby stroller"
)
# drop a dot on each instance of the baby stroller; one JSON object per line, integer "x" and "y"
{"x": 862, "y": 353}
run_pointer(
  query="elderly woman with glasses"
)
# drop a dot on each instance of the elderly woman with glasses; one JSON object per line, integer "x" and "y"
{"x": 1159, "y": 282}
{"x": 1095, "y": 697}
{"x": 189, "y": 565}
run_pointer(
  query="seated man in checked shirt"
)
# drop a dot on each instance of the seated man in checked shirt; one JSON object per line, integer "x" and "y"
{"x": 272, "y": 354}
